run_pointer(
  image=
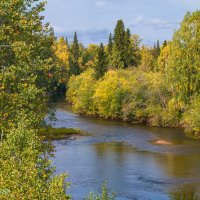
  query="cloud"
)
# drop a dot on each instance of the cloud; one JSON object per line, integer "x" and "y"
{"x": 100, "y": 3}
{"x": 58, "y": 29}
{"x": 155, "y": 23}
{"x": 88, "y": 36}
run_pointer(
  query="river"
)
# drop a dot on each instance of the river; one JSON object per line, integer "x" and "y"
{"x": 125, "y": 156}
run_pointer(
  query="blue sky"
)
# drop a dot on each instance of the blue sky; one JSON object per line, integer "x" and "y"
{"x": 95, "y": 19}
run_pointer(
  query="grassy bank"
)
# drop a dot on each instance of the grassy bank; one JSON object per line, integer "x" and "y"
{"x": 59, "y": 133}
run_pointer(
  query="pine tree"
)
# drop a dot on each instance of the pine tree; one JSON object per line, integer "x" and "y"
{"x": 116, "y": 61}
{"x": 154, "y": 45}
{"x": 158, "y": 48}
{"x": 101, "y": 62}
{"x": 67, "y": 43}
{"x": 119, "y": 35}
{"x": 129, "y": 59}
{"x": 119, "y": 45}
{"x": 164, "y": 44}
{"x": 122, "y": 51}
{"x": 110, "y": 44}
{"x": 74, "y": 56}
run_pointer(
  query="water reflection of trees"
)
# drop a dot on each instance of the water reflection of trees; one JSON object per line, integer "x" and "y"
{"x": 118, "y": 148}
{"x": 179, "y": 166}
{"x": 183, "y": 168}
{"x": 186, "y": 192}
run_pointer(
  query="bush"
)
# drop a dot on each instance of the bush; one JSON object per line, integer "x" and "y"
{"x": 80, "y": 92}
{"x": 110, "y": 93}
{"x": 191, "y": 118}
{"x": 105, "y": 194}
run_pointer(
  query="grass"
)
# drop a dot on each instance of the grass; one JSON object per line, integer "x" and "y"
{"x": 50, "y": 133}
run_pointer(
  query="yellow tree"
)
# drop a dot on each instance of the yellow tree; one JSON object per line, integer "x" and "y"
{"x": 61, "y": 53}
{"x": 91, "y": 52}
{"x": 148, "y": 60}
{"x": 163, "y": 58}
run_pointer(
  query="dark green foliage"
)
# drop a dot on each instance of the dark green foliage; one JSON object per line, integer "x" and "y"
{"x": 164, "y": 44}
{"x": 110, "y": 44}
{"x": 118, "y": 51}
{"x": 101, "y": 62}
{"x": 122, "y": 51}
{"x": 119, "y": 36}
{"x": 129, "y": 59}
{"x": 67, "y": 43}
{"x": 74, "y": 56}
{"x": 158, "y": 47}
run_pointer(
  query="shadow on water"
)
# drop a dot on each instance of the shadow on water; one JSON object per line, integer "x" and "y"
{"x": 124, "y": 155}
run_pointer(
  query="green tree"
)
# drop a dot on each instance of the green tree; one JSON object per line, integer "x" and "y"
{"x": 25, "y": 170}
{"x": 22, "y": 31}
{"x": 110, "y": 45}
{"x": 118, "y": 50}
{"x": 67, "y": 43}
{"x": 122, "y": 48}
{"x": 74, "y": 56}
{"x": 128, "y": 46}
{"x": 158, "y": 48}
{"x": 183, "y": 66}
{"x": 101, "y": 63}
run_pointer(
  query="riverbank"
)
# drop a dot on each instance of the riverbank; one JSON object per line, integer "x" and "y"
{"x": 195, "y": 136}
{"x": 132, "y": 95}
{"x": 50, "y": 133}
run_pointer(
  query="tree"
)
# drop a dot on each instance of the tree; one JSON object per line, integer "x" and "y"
{"x": 135, "y": 40}
{"x": 158, "y": 48}
{"x": 61, "y": 53}
{"x": 118, "y": 50}
{"x": 22, "y": 31}
{"x": 101, "y": 62}
{"x": 80, "y": 92}
{"x": 163, "y": 57}
{"x": 183, "y": 66}
{"x": 129, "y": 59}
{"x": 164, "y": 44}
{"x": 25, "y": 170}
{"x": 122, "y": 48}
{"x": 116, "y": 61}
{"x": 90, "y": 56}
{"x": 148, "y": 59}
{"x": 110, "y": 45}
{"x": 67, "y": 43}
{"x": 74, "y": 56}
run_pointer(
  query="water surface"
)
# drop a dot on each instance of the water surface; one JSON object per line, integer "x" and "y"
{"x": 124, "y": 155}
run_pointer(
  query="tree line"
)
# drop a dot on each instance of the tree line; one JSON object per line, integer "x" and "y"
{"x": 158, "y": 86}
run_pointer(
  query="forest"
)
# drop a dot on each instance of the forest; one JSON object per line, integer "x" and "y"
{"x": 123, "y": 79}
{"x": 157, "y": 86}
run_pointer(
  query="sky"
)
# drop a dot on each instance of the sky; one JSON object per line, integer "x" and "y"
{"x": 94, "y": 20}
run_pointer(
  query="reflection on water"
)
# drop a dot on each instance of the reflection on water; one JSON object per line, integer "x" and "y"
{"x": 124, "y": 155}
